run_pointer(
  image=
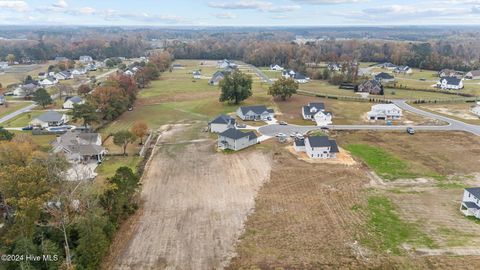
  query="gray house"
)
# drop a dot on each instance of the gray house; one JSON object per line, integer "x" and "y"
{"x": 80, "y": 147}
{"x": 234, "y": 139}
{"x": 49, "y": 119}
{"x": 2, "y": 99}
{"x": 221, "y": 123}
{"x": 259, "y": 112}
{"x": 384, "y": 77}
{"x": 217, "y": 77}
{"x": 471, "y": 202}
{"x": 317, "y": 147}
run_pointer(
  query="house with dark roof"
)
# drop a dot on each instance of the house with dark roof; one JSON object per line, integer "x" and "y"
{"x": 403, "y": 70}
{"x": 2, "y": 99}
{"x": 259, "y": 112}
{"x": 217, "y": 77}
{"x": 68, "y": 104}
{"x": 315, "y": 111}
{"x": 288, "y": 74}
{"x": 300, "y": 78}
{"x": 450, "y": 73}
{"x": 384, "y": 77}
{"x": 470, "y": 205}
{"x": 276, "y": 67}
{"x": 64, "y": 75}
{"x": 317, "y": 147}
{"x": 334, "y": 66}
{"x": 49, "y": 119}
{"x": 373, "y": 87}
{"x": 80, "y": 146}
{"x": 473, "y": 75}
{"x": 450, "y": 83}
{"x": 197, "y": 74}
{"x": 235, "y": 139}
{"x": 221, "y": 123}
{"x": 388, "y": 65}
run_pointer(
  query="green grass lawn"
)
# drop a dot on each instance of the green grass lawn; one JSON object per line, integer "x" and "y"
{"x": 22, "y": 120}
{"x": 110, "y": 165}
{"x": 382, "y": 162}
{"x": 12, "y": 106}
{"x": 389, "y": 231}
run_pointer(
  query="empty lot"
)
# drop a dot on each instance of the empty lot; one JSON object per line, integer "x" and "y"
{"x": 196, "y": 201}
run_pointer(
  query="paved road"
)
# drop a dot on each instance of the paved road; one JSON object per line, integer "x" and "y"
{"x": 453, "y": 125}
{"x": 262, "y": 75}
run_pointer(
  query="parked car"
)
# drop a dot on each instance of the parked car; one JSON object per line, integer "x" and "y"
{"x": 241, "y": 126}
{"x": 130, "y": 109}
{"x": 281, "y": 135}
{"x": 422, "y": 79}
{"x": 283, "y": 123}
{"x": 325, "y": 128}
{"x": 269, "y": 118}
{"x": 410, "y": 131}
{"x": 27, "y": 128}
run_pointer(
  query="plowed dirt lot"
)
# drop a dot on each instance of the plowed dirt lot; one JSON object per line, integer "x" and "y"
{"x": 196, "y": 202}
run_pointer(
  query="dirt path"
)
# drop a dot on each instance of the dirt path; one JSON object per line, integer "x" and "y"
{"x": 196, "y": 202}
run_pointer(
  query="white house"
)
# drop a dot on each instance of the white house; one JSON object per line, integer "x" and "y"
{"x": 471, "y": 202}
{"x": 217, "y": 77}
{"x": 317, "y": 147}
{"x": 85, "y": 59}
{"x": 68, "y": 104}
{"x": 2, "y": 99}
{"x": 276, "y": 67}
{"x": 334, "y": 66}
{"x": 221, "y": 123}
{"x": 450, "y": 83}
{"x": 227, "y": 64}
{"x": 384, "y": 112}
{"x": 79, "y": 72}
{"x": 197, "y": 75}
{"x": 403, "y": 70}
{"x": 25, "y": 90}
{"x": 49, "y": 119}
{"x": 80, "y": 146}
{"x": 388, "y": 65}
{"x": 300, "y": 78}
{"x": 288, "y": 74}
{"x": 49, "y": 81}
{"x": 259, "y": 112}
{"x": 316, "y": 112}
{"x": 235, "y": 139}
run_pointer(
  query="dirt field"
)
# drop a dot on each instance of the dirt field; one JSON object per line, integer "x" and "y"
{"x": 196, "y": 201}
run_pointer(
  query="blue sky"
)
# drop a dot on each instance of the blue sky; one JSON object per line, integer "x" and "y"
{"x": 239, "y": 12}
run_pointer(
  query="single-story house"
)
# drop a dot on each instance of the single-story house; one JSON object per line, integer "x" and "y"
{"x": 276, "y": 67}
{"x": 300, "y": 78}
{"x": 25, "y": 90}
{"x": 49, "y": 119}
{"x": 315, "y": 111}
{"x": 2, "y": 99}
{"x": 68, "y": 104}
{"x": 80, "y": 146}
{"x": 197, "y": 75}
{"x": 227, "y": 64}
{"x": 471, "y": 202}
{"x": 49, "y": 81}
{"x": 64, "y": 75}
{"x": 384, "y": 112}
{"x": 85, "y": 59}
{"x": 451, "y": 83}
{"x": 235, "y": 139}
{"x": 221, "y": 123}
{"x": 259, "y": 112}
{"x": 473, "y": 75}
{"x": 450, "y": 73}
{"x": 384, "y": 77}
{"x": 388, "y": 65}
{"x": 79, "y": 72}
{"x": 317, "y": 147}
{"x": 373, "y": 87}
{"x": 217, "y": 77}
{"x": 403, "y": 70}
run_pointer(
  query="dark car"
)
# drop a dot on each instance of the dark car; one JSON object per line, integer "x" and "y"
{"x": 27, "y": 128}
{"x": 410, "y": 131}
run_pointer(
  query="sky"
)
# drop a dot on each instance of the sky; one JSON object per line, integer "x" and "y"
{"x": 239, "y": 12}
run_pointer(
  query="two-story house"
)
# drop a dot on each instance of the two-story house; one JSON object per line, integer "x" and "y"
{"x": 317, "y": 147}
{"x": 235, "y": 139}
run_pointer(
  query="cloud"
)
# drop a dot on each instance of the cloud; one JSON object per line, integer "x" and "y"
{"x": 225, "y": 16}
{"x": 19, "y": 6}
{"x": 255, "y": 5}
{"x": 114, "y": 15}
{"x": 87, "y": 10}
{"x": 329, "y": 2}
{"x": 60, "y": 4}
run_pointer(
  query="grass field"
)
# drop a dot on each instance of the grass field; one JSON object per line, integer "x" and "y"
{"x": 389, "y": 230}
{"x": 12, "y": 106}
{"x": 110, "y": 165}
{"x": 22, "y": 120}
{"x": 13, "y": 76}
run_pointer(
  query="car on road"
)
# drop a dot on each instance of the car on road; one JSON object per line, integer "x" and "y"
{"x": 241, "y": 126}
{"x": 27, "y": 128}
{"x": 410, "y": 130}
{"x": 283, "y": 123}
{"x": 324, "y": 128}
